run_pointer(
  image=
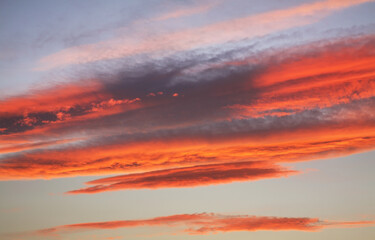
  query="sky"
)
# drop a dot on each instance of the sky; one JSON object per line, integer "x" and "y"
{"x": 156, "y": 119}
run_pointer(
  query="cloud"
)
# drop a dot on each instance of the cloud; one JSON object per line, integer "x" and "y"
{"x": 188, "y": 177}
{"x": 11, "y": 148}
{"x": 53, "y": 98}
{"x": 277, "y": 105}
{"x": 110, "y": 159}
{"x": 243, "y": 90}
{"x": 207, "y": 223}
{"x": 217, "y": 33}
{"x": 67, "y": 103}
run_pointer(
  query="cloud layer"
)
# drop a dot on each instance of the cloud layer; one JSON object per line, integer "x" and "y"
{"x": 151, "y": 95}
{"x": 186, "y": 113}
{"x": 217, "y": 33}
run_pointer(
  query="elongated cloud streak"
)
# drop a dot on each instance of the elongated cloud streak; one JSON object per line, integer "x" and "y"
{"x": 188, "y": 177}
{"x": 204, "y": 223}
{"x": 11, "y": 148}
{"x": 236, "y": 29}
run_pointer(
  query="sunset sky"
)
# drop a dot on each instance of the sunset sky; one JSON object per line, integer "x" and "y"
{"x": 187, "y": 119}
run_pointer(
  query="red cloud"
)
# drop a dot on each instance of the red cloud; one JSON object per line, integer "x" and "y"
{"x": 189, "y": 177}
{"x": 204, "y": 223}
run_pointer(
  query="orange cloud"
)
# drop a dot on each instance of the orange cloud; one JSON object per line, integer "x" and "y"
{"x": 188, "y": 177}
{"x": 64, "y": 105}
{"x": 126, "y": 158}
{"x": 204, "y": 223}
{"x": 53, "y": 99}
{"x": 337, "y": 73}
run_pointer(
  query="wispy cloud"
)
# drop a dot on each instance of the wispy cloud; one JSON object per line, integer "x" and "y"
{"x": 217, "y": 33}
{"x": 205, "y": 223}
{"x": 11, "y": 148}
